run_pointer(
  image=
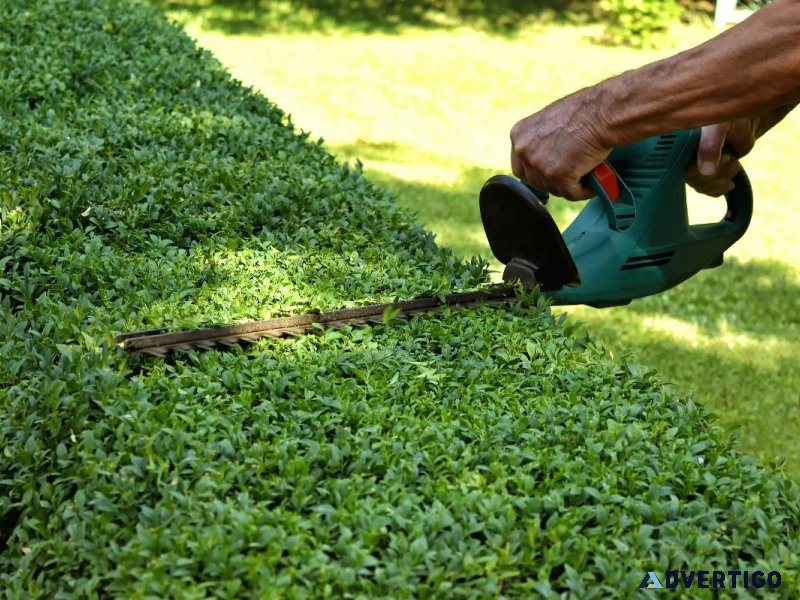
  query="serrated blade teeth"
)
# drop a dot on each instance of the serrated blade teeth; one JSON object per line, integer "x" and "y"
{"x": 160, "y": 343}
{"x": 294, "y": 331}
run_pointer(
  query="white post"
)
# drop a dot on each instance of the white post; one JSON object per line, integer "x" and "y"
{"x": 725, "y": 13}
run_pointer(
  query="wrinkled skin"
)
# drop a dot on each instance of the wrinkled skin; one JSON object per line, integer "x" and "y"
{"x": 554, "y": 157}
{"x": 714, "y": 169}
{"x": 554, "y": 148}
{"x": 735, "y": 86}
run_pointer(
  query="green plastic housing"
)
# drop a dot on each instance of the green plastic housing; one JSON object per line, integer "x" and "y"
{"x": 642, "y": 243}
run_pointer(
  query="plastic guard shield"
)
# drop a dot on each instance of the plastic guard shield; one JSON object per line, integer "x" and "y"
{"x": 519, "y": 229}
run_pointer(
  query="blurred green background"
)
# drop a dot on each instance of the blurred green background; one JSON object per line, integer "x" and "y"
{"x": 424, "y": 93}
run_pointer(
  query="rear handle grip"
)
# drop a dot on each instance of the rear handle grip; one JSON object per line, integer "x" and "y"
{"x": 739, "y": 211}
{"x": 737, "y": 217}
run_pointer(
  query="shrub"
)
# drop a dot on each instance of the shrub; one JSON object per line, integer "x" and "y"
{"x": 638, "y": 22}
{"x": 474, "y": 453}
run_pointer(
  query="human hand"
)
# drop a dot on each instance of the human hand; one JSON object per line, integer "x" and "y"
{"x": 713, "y": 172}
{"x": 553, "y": 149}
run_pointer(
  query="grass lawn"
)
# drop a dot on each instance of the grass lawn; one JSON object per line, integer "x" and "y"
{"x": 428, "y": 112}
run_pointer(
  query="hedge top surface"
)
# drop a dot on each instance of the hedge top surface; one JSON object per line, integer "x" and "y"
{"x": 486, "y": 452}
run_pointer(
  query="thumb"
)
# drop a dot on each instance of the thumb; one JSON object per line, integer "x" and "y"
{"x": 712, "y": 137}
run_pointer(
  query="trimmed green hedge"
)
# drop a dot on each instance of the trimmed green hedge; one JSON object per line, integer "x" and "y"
{"x": 476, "y": 453}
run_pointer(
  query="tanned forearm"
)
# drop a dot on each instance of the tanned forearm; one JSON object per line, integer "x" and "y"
{"x": 751, "y": 68}
{"x": 735, "y": 86}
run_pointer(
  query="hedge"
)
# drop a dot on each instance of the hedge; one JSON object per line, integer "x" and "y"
{"x": 489, "y": 452}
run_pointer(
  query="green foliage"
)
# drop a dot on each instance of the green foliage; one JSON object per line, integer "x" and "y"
{"x": 638, "y": 22}
{"x": 475, "y": 453}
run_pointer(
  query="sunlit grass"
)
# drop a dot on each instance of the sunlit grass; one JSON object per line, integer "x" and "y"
{"x": 428, "y": 113}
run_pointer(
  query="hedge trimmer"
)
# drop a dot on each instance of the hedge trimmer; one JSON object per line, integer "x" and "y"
{"x": 632, "y": 239}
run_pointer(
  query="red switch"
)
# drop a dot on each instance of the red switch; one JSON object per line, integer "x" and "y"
{"x": 608, "y": 180}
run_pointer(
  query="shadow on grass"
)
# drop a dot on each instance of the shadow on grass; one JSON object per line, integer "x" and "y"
{"x": 387, "y": 16}
{"x": 758, "y": 297}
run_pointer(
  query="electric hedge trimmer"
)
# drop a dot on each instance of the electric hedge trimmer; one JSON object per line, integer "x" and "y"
{"x": 632, "y": 239}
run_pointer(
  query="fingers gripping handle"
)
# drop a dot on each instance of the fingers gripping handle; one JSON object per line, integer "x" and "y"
{"x": 602, "y": 178}
{"x": 739, "y": 209}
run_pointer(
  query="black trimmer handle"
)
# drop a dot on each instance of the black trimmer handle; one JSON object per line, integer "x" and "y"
{"x": 739, "y": 212}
